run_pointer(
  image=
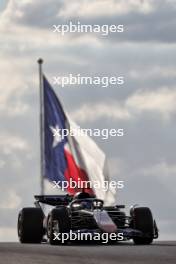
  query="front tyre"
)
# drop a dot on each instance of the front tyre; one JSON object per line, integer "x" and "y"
{"x": 58, "y": 223}
{"x": 143, "y": 221}
{"x": 30, "y": 225}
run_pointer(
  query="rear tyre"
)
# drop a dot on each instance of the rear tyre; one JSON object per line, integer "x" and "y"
{"x": 30, "y": 225}
{"x": 143, "y": 221}
{"x": 58, "y": 223}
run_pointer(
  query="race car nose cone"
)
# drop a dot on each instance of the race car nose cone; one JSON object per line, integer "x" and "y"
{"x": 104, "y": 222}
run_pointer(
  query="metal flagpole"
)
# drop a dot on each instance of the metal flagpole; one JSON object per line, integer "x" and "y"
{"x": 40, "y": 62}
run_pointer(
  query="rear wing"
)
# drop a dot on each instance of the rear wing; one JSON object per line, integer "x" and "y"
{"x": 53, "y": 199}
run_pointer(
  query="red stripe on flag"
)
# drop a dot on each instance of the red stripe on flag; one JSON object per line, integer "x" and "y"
{"x": 75, "y": 173}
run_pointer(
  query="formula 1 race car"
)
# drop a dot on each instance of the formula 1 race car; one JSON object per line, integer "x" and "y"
{"x": 83, "y": 214}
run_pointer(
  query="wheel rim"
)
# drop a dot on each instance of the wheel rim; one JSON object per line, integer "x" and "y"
{"x": 53, "y": 227}
{"x": 49, "y": 227}
{"x": 19, "y": 225}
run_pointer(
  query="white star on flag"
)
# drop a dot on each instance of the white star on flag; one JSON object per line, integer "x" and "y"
{"x": 56, "y": 134}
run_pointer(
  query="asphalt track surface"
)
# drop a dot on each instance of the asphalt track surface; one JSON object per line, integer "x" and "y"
{"x": 158, "y": 252}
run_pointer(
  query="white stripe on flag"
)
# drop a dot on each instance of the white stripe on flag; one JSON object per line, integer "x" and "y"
{"x": 91, "y": 158}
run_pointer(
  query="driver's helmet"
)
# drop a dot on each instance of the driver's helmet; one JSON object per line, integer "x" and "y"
{"x": 82, "y": 195}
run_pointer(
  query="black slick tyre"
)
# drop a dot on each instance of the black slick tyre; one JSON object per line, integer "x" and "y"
{"x": 143, "y": 221}
{"x": 30, "y": 225}
{"x": 58, "y": 223}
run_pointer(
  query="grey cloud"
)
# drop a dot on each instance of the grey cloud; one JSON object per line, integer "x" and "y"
{"x": 158, "y": 25}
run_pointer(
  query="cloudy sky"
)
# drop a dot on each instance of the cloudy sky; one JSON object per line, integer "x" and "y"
{"x": 145, "y": 54}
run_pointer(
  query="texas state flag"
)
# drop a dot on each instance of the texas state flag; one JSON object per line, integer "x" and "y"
{"x": 71, "y": 157}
